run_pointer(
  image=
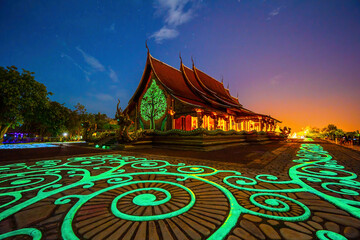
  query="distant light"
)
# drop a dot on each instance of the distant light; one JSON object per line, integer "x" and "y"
{"x": 80, "y": 137}
{"x": 5, "y": 135}
{"x": 65, "y": 134}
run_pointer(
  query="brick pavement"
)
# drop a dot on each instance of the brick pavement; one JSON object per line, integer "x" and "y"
{"x": 117, "y": 197}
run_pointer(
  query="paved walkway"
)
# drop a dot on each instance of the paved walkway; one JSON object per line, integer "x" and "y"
{"x": 306, "y": 192}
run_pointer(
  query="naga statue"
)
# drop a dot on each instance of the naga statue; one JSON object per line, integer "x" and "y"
{"x": 124, "y": 123}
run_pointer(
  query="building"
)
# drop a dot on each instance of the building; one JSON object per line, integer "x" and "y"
{"x": 187, "y": 98}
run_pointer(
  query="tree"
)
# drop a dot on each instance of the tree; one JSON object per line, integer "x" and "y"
{"x": 58, "y": 116}
{"x": 100, "y": 121}
{"x": 331, "y": 131}
{"x": 80, "y": 110}
{"x": 73, "y": 125}
{"x": 153, "y": 104}
{"x": 50, "y": 120}
{"x": 20, "y": 96}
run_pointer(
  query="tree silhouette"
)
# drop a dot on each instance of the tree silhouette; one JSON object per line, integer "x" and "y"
{"x": 153, "y": 104}
{"x": 22, "y": 98}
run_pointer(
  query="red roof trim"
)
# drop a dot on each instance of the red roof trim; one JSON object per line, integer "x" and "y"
{"x": 176, "y": 84}
{"x": 228, "y": 101}
{"x": 196, "y": 90}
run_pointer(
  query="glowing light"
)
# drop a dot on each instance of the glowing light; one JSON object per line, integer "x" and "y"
{"x": 65, "y": 134}
{"x": 171, "y": 112}
{"x": 294, "y": 135}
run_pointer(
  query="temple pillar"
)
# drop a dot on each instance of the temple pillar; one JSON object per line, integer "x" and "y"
{"x": 172, "y": 113}
{"x": 216, "y": 122}
{"x": 199, "y": 119}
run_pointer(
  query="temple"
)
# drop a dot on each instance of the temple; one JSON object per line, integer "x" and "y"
{"x": 186, "y": 99}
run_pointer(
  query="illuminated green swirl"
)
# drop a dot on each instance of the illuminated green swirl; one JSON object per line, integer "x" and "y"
{"x": 329, "y": 235}
{"x": 31, "y": 232}
{"x": 316, "y": 165}
{"x": 313, "y": 166}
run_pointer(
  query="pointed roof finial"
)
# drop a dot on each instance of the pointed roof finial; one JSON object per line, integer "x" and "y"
{"x": 180, "y": 57}
{"x": 192, "y": 60}
{"x": 228, "y": 86}
{"x": 147, "y": 46}
{"x": 222, "y": 79}
{"x": 237, "y": 95}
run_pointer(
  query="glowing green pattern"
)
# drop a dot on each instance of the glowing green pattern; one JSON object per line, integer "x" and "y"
{"x": 32, "y": 232}
{"x": 314, "y": 166}
{"x": 153, "y": 104}
{"x": 328, "y": 235}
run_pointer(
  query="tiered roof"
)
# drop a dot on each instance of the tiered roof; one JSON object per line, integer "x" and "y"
{"x": 191, "y": 86}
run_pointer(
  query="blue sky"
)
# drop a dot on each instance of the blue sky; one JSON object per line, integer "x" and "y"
{"x": 295, "y": 60}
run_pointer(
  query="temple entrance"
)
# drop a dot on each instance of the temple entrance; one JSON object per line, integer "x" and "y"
{"x": 186, "y": 123}
{"x": 183, "y": 123}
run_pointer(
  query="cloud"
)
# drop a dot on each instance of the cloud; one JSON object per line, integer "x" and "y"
{"x": 113, "y": 76}
{"x": 94, "y": 66}
{"x": 92, "y": 61}
{"x": 87, "y": 73}
{"x": 164, "y": 33}
{"x": 102, "y": 96}
{"x": 274, "y": 12}
{"x": 176, "y": 13}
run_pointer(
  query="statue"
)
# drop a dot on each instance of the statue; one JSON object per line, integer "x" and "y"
{"x": 124, "y": 123}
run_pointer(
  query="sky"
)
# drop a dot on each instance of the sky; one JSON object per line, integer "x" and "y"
{"x": 296, "y": 60}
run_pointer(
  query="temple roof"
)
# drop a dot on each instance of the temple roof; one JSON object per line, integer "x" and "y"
{"x": 192, "y": 87}
{"x": 173, "y": 80}
{"x": 215, "y": 87}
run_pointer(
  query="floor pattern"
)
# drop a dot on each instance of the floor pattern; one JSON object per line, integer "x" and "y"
{"x": 121, "y": 197}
